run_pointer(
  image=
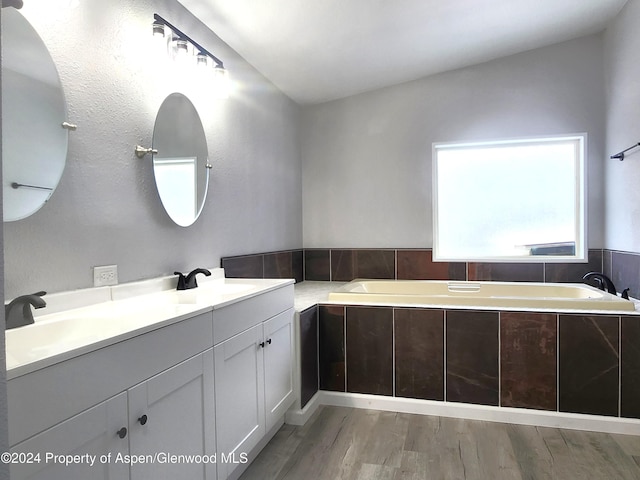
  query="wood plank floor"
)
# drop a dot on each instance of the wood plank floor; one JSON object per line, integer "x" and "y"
{"x": 356, "y": 444}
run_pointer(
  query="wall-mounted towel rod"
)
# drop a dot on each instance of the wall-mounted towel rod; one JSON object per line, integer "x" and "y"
{"x": 620, "y": 155}
{"x": 17, "y": 185}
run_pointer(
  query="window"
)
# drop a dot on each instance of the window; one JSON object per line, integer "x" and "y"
{"x": 512, "y": 200}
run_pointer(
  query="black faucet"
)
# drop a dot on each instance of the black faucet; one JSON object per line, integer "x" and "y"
{"x": 18, "y": 312}
{"x": 604, "y": 282}
{"x": 189, "y": 282}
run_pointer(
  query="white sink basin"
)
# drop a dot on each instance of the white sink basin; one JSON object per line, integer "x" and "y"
{"x": 58, "y": 333}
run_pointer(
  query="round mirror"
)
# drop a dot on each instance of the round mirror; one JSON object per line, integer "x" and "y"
{"x": 180, "y": 166}
{"x": 34, "y": 141}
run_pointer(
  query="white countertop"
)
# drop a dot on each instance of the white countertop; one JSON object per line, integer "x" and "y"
{"x": 310, "y": 293}
{"x": 75, "y": 323}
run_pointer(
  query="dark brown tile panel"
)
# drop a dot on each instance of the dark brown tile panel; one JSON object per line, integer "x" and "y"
{"x": 573, "y": 272}
{"x": 606, "y": 263}
{"x": 588, "y": 364}
{"x": 317, "y": 265}
{"x": 249, "y": 266}
{"x": 472, "y": 357}
{"x": 278, "y": 265}
{"x": 342, "y": 265}
{"x": 287, "y": 264}
{"x": 349, "y": 264}
{"x": 625, "y": 269}
{"x": 331, "y": 347}
{"x": 370, "y": 350}
{"x": 419, "y": 350}
{"x": 528, "y": 360}
{"x": 297, "y": 265}
{"x": 419, "y": 265}
{"x": 308, "y": 354}
{"x": 630, "y": 368}
{"x": 506, "y": 272}
{"x": 375, "y": 264}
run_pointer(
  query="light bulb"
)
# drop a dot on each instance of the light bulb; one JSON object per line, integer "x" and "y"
{"x": 158, "y": 30}
{"x": 202, "y": 60}
{"x": 221, "y": 81}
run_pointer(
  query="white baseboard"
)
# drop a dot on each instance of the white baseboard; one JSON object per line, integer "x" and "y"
{"x": 520, "y": 416}
{"x": 300, "y": 417}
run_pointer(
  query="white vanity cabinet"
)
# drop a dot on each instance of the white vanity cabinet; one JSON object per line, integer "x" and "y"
{"x": 160, "y": 403}
{"x": 279, "y": 354}
{"x": 253, "y": 375}
{"x": 195, "y": 398}
{"x": 170, "y": 415}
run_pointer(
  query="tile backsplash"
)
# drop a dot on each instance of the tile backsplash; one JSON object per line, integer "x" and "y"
{"x": 345, "y": 264}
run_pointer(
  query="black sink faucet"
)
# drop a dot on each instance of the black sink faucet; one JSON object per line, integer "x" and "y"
{"x": 188, "y": 282}
{"x": 604, "y": 282}
{"x": 18, "y": 312}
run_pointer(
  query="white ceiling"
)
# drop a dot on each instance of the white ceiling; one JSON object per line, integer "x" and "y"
{"x": 316, "y": 51}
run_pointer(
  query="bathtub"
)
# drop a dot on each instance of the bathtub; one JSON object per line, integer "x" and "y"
{"x": 525, "y": 295}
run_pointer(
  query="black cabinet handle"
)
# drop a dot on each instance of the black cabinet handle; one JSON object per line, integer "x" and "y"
{"x": 269, "y": 341}
{"x": 122, "y": 432}
{"x": 143, "y": 420}
{"x": 261, "y": 344}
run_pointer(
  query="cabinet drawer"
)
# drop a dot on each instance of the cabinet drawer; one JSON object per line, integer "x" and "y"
{"x": 238, "y": 317}
{"x": 82, "y": 382}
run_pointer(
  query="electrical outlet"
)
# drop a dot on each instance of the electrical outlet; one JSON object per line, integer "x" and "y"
{"x": 104, "y": 276}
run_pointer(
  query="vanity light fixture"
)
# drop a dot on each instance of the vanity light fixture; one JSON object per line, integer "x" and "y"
{"x": 182, "y": 42}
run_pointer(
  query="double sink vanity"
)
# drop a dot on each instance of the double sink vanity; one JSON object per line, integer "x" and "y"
{"x": 142, "y": 381}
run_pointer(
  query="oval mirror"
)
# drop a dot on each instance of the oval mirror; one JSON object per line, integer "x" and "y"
{"x": 34, "y": 141}
{"x": 180, "y": 166}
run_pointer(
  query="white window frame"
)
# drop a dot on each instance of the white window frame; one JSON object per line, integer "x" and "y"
{"x": 581, "y": 250}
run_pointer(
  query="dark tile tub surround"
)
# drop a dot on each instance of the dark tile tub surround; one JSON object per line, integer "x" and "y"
{"x": 528, "y": 360}
{"x": 588, "y": 364}
{"x": 506, "y": 272}
{"x": 573, "y": 272}
{"x": 246, "y": 266}
{"x": 349, "y": 264}
{"x": 308, "y": 354}
{"x": 535, "y": 360}
{"x": 419, "y": 353}
{"x": 331, "y": 347}
{"x": 472, "y": 357}
{"x": 630, "y": 367}
{"x": 285, "y": 264}
{"x": 323, "y": 264}
{"x": 419, "y": 265}
{"x": 317, "y": 265}
{"x": 370, "y": 350}
{"x": 624, "y": 271}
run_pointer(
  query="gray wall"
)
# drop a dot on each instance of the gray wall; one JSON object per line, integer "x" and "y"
{"x": 106, "y": 210}
{"x": 367, "y": 158}
{"x": 622, "y": 68}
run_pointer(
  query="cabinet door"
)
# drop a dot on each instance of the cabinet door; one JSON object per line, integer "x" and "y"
{"x": 239, "y": 379}
{"x": 278, "y": 366}
{"x": 172, "y": 413}
{"x": 92, "y": 435}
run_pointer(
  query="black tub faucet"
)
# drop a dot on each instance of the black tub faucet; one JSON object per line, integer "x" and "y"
{"x": 18, "y": 312}
{"x": 189, "y": 281}
{"x": 604, "y": 282}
